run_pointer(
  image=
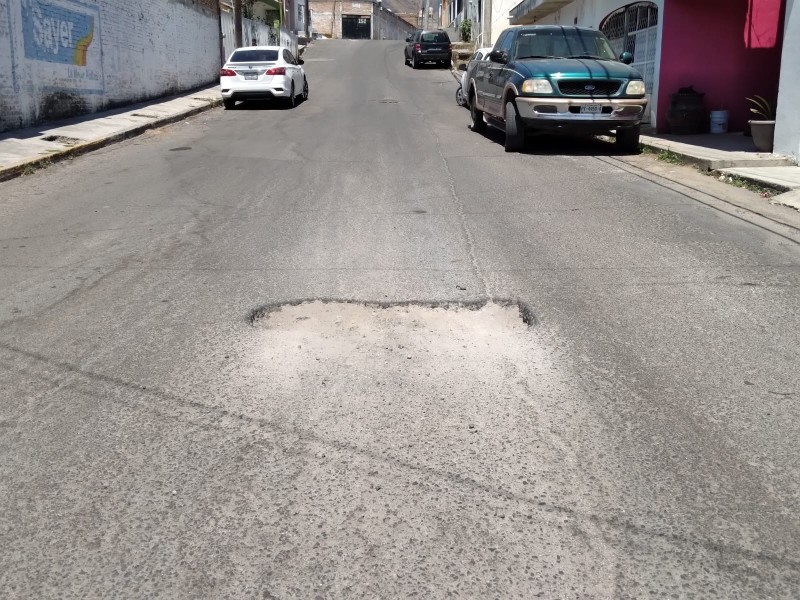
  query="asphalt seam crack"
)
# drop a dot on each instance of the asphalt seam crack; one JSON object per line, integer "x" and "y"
{"x": 462, "y": 218}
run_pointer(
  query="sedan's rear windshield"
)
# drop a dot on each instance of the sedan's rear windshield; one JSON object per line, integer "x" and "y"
{"x": 436, "y": 37}
{"x": 254, "y": 56}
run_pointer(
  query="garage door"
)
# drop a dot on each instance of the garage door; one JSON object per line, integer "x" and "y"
{"x": 356, "y": 27}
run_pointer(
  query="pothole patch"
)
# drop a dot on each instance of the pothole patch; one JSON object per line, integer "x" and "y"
{"x": 396, "y": 375}
{"x": 522, "y": 310}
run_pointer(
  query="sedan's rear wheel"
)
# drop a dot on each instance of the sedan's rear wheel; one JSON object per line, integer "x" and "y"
{"x": 515, "y": 129}
{"x": 305, "y": 90}
{"x": 460, "y": 96}
{"x": 228, "y": 103}
{"x": 292, "y": 101}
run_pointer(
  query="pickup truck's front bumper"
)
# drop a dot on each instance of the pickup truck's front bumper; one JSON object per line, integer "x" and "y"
{"x": 565, "y": 113}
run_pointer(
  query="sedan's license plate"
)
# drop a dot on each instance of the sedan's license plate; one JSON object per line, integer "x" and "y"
{"x": 251, "y": 75}
{"x": 591, "y": 109}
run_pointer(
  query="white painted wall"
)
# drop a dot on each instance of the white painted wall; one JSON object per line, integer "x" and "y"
{"x": 589, "y": 13}
{"x": 787, "y": 126}
{"x": 132, "y": 51}
{"x": 263, "y": 34}
{"x": 500, "y": 10}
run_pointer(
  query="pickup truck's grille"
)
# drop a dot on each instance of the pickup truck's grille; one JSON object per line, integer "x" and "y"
{"x": 588, "y": 87}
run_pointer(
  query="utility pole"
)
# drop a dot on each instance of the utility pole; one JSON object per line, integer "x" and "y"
{"x": 237, "y": 22}
{"x": 425, "y": 15}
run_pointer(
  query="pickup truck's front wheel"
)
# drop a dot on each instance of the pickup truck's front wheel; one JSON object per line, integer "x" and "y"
{"x": 515, "y": 129}
{"x": 628, "y": 138}
{"x": 476, "y": 122}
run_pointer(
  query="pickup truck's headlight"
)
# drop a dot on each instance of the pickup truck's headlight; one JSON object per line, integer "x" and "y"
{"x": 635, "y": 88}
{"x": 536, "y": 86}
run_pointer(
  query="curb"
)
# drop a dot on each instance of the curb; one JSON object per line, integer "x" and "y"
{"x": 755, "y": 180}
{"x": 790, "y": 199}
{"x": 18, "y": 169}
{"x": 712, "y": 164}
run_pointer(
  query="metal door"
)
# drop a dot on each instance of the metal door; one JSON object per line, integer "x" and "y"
{"x": 356, "y": 27}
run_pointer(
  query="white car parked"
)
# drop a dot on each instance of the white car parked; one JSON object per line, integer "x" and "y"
{"x": 467, "y": 71}
{"x": 262, "y": 72}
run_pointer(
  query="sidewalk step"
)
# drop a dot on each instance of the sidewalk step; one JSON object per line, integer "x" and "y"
{"x": 782, "y": 178}
{"x": 713, "y": 159}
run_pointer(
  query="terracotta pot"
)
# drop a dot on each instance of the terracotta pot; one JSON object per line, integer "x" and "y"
{"x": 763, "y": 134}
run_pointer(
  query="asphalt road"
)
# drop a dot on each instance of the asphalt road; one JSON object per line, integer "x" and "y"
{"x": 175, "y": 424}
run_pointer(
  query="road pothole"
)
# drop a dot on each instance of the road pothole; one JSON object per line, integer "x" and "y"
{"x": 523, "y": 311}
{"x": 400, "y": 373}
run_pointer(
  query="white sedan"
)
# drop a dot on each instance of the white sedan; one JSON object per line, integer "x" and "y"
{"x": 262, "y": 72}
{"x": 467, "y": 70}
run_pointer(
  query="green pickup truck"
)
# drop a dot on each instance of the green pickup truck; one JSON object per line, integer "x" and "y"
{"x": 554, "y": 79}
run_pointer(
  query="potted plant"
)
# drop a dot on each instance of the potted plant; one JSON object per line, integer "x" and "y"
{"x": 763, "y": 129}
{"x": 466, "y": 30}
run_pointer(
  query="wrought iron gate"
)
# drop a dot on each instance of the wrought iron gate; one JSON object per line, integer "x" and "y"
{"x": 634, "y": 28}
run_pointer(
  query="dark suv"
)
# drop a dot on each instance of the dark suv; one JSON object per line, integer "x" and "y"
{"x": 429, "y": 46}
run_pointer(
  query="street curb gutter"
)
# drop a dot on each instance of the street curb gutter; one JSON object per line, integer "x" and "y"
{"x": 18, "y": 169}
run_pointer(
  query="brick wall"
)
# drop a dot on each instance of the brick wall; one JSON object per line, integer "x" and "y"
{"x": 65, "y": 57}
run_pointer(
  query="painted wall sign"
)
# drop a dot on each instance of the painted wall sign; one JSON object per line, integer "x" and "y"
{"x": 61, "y": 42}
{"x": 55, "y": 33}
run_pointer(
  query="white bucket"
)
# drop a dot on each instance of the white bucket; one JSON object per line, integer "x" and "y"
{"x": 719, "y": 121}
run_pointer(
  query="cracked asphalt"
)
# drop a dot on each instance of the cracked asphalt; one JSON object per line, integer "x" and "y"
{"x": 638, "y": 440}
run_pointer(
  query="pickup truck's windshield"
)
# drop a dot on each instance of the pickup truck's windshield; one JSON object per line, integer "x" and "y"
{"x": 563, "y": 42}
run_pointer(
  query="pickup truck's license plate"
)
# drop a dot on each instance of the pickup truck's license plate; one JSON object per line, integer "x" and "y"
{"x": 591, "y": 109}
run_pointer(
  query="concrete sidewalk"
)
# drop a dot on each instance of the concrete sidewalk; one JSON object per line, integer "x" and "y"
{"x": 713, "y": 152}
{"x": 23, "y": 149}
{"x": 734, "y": 155}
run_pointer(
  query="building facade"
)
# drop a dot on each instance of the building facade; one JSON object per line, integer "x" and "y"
{"x": 357, "y": 19}
{"x": 787, "y": 126}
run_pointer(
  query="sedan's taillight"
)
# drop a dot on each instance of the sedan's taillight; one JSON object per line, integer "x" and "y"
{"x": 227, "y": 73}
{"x": 418, "y": 48}
{"x": 276, "y": 71}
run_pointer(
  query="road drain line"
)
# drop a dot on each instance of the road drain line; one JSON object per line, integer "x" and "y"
{"x": 526, "y": 313}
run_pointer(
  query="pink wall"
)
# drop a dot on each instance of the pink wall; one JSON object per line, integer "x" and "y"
{"x": 728, "y": 49}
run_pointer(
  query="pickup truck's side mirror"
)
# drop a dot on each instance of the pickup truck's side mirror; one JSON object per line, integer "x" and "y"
{"x": 462, "y": 67}
{"x": 498, "y": 56}
{"x": 626, "y": 58}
